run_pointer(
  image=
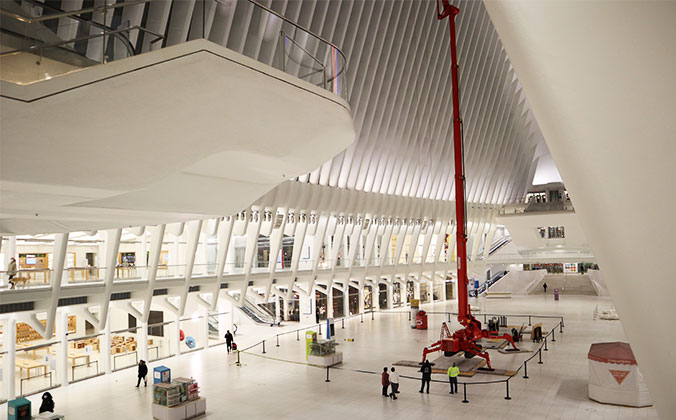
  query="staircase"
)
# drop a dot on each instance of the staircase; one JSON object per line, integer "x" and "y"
{"x": 570, "y": 284}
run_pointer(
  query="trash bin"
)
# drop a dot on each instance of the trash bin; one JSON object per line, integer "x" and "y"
{"x": 556, "y": 294}
{"x": 421, "y": 320}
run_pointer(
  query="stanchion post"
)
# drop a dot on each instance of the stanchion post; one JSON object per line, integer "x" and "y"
{"x": 320, "y": 328}
{"x": 561, "y": 326}
{"x": 484, "y": 318}
{"x": 546, "y": 349}
{"x": 525, "y": 369}
{"x": 409, "y": 315}
{"x": 464, "y": 393}
{"x": 361, "y": 315}
{"x": 553, "y": 335}
{"x": 540, "y": 356}
{"x": 342, "y": 323}
{"x": 372, "y": 315}
{"x": 238, "y": 363}
{"x": 529, "y": 323}
{"x": 447, "y": 313}
{"x": 507, "y": 397}
{"x": 297, "y": 336}
{"x": 263, "y": 346}
{"x": 327, "y": 375}
{"x": 277, "y": 340}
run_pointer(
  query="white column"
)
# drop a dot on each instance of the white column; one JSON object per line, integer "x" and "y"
{"x": 205, "y": 327}
{"x": 285, "y": 313}
{"x": 142, "y": 251}
{"x": 278, "y": 310}
{"x": 62, "y": 354}
{"x": 174, "y": 259}
{"x": 105, "y": 349}
{"x": 361, "y": 299}
{"x": 177, "y": 334}
{"x": 143, "y": 341}
{"x": 443, "y": 284}
{"x": 390, "y": 296}
{"x": 416, "y": 291}
{"x": 10, "y": 250}
{"x": 346, "y": 301}
{"x": 9, "y": 367}
{"x": 329, "y": 302}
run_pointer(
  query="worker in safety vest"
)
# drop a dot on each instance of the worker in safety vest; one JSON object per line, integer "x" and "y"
{"x": 453, "y": 373}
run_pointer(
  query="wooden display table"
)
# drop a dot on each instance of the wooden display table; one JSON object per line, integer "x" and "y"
{"x": 28, "y": 364}
{"x": 183, "y": 411}
{"x": 73, "y": 356}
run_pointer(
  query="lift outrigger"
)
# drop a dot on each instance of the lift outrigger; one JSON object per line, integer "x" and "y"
{"x": 465, "y": 339}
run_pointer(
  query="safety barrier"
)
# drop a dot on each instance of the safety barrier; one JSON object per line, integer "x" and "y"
{"x": 542, "y": 347}
{"x": 87, "y": 364}
{"x": 51, "y": 384}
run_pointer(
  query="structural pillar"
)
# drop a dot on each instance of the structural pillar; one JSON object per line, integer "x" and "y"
{"x": 285, "y": 314}
{"x": 11, "y": 250}
{"x": 416, "y": 291}
{"x": 361, "y": 299}
{"x": 62, "y": 353}
{"x": 329, "y": 302}
{"x": 177, "y": 334}
{"x": 346, "y": 300}
{"x": 9, "y": 367}
{"x": 205, "y": 327}
{"x": 105, "y": 350}
{"x": 278, "y": 310}
{"x": 390, "y": 296}
{"x": 143, "y": 341}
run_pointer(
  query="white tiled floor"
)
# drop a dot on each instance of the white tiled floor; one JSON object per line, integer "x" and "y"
{"x": 267, "y": 388}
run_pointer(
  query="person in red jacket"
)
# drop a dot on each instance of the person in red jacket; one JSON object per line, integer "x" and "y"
{"x": 385, "y": 382}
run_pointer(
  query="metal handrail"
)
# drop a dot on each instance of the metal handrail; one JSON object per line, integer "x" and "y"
{"x": 84, "y": 38}
{"x": 267, "y": 9}
{"x": 72, "y": 13}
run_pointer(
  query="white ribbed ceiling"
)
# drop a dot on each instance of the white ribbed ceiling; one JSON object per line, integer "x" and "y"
{"x": 398, "y": 58}
{"x": 398, "y": 80}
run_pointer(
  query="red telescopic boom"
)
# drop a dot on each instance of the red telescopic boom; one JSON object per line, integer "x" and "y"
{"x": 465, "y": 339}
{"x": 451, "y": 11}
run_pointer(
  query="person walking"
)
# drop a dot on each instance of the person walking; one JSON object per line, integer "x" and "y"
{"x": 453, "y": 373}
{"x": 142, "y": 373}
{"x": 394, "y": 383}
{"x": 544, "y": 286}
{"x": 228, "y": 340}
{"x": 426, "y": 370}
{"x": 385, "y": 381}
{"x": 11, "y": 271}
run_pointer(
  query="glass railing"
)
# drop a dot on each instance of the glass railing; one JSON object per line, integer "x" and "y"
{"x": 37, "y": 278}
{"x": 42, "y": 42}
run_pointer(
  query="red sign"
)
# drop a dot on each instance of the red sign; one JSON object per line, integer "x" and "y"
{"x": 619, "y": 375}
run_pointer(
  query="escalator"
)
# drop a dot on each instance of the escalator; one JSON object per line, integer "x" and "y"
{"x": 260, "y": 314}
{"x": 485, "y": 285}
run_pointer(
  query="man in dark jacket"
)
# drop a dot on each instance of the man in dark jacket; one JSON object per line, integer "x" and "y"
{"x": 47, "y": 403}
{"x": 426, "y": 370}
{"x": 228, "y": 340}
{"x": 385, "y": 380}
{"x": 142, "y": 373}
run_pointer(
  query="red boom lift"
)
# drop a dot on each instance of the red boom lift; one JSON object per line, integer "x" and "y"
{"x": 465, "y": 339}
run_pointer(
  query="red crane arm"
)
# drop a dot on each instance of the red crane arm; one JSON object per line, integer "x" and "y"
{"x": 464, "y": 313}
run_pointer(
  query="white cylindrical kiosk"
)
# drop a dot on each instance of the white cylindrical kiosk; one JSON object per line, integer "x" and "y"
{"x": 614, "y": 377}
